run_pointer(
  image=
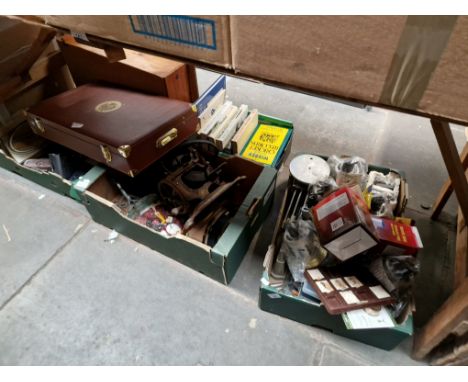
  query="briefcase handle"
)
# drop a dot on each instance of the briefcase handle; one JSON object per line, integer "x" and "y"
{"x": 164, "y": 139}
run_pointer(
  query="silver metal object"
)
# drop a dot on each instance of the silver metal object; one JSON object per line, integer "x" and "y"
{"x": 296, "y": 205}
{"x": 293, "y": 196}
{"x": 309, "y": 169}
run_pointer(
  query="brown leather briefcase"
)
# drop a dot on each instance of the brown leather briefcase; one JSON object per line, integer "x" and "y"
{"x": 123, "y": 129}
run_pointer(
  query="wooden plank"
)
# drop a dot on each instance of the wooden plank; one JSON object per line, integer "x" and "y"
{"x": 114, "y": 54}
{"x": 452, "y": 161}
{"x": 447, "y": 188}
{"x": 453, "y": 352}
{"x": 461, "y": 251}
{"x": 453, "y": 312}
{"x": 177, "y": 85}
{"x": 192, "y": 80}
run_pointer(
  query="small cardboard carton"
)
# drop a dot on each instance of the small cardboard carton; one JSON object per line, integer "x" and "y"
{"x": 398, "y": 235}
{"x": 344, "y": 224}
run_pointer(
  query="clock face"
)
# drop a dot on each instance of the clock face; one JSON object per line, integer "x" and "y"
{"x": 309, "y": 169}
{"x": 173, "y": 229}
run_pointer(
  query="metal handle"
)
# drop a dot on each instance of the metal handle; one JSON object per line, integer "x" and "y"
{"x": 163, "y": 140}
{"x": 253, "y": 207}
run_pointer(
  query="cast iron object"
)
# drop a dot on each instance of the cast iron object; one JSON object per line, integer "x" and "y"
{"x": 190, "y": 178}
{"x": 193, "y": 183}
{"x": 214, "y": 196}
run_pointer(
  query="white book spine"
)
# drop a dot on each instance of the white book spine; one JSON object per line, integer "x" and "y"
{"x": 218, "y": 130}
{"x": 216, "y": 119}
{"x": 234, "y": 126}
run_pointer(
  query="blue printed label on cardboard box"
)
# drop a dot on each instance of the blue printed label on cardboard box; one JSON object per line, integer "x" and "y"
{"x": 186, "y": 30}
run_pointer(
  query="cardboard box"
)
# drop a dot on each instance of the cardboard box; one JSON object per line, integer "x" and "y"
{"x": 23, "y": 42}
{"x": 398, "y": 235}
{"x": 411, "y": 63}
{"x": 307, "y": 312}
{"x": 219, "y": 262}
{"x": 344, "y": 224}
{"x": 218, "y": 86}
{"x": 201, "y": 38}
{"x": 277, "y": 300}
{"x": 49, "y": 76}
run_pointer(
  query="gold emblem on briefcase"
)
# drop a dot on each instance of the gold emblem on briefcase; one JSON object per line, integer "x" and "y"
{"x": 108, "y": 106}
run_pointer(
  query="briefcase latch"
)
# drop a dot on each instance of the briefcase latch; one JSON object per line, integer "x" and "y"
{"x": 163, "y": 140}
{"x": 106, "y": 153}
{"x": 37, "y": 126}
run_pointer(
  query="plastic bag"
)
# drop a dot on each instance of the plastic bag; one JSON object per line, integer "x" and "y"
{"x": 382, "y": 193}
{"x": 318, "y": 191}
{"x": 301, "y": 248}
{"x": 348, "y": 171}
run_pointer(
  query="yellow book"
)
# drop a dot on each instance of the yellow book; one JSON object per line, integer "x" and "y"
{"x": 265, "y": 144}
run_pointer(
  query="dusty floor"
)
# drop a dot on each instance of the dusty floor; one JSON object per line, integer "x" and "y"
{"x": 69, "y": 297}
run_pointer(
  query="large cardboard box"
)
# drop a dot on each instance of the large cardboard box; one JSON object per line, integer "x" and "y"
{"x": 306, "y": 312}
{"x": 416, "y": 64}
{"x": 219, "y": 262}
{"x": 21, "y": 44}
{"x": 275, "y": 298}
{"x": 49, "y": 75}
{"x": 201, "y": 38}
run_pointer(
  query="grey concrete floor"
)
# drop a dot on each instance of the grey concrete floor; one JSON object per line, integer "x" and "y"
{"x": 68, "y": 297}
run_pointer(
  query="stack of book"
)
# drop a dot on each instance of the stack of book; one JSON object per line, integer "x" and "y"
{"x": 236, "y": 130}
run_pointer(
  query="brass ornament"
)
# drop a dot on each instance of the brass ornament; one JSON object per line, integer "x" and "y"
{"x": 125, "y": 150}
{"x": 108, "y": 106}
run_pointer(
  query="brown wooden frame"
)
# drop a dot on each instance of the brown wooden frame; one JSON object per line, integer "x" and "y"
{"x": 452, "y": 317}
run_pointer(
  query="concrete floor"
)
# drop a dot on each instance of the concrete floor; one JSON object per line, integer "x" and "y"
{"x": 68, "y": 297}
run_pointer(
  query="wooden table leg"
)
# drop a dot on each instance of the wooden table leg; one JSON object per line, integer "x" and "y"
{"x": 448, "y": 319}
{"x": 447, "y": 188}
{"x": 461, "y": 251}
{"x": 452, "y": 317}
{"x": 452, "y": 162}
